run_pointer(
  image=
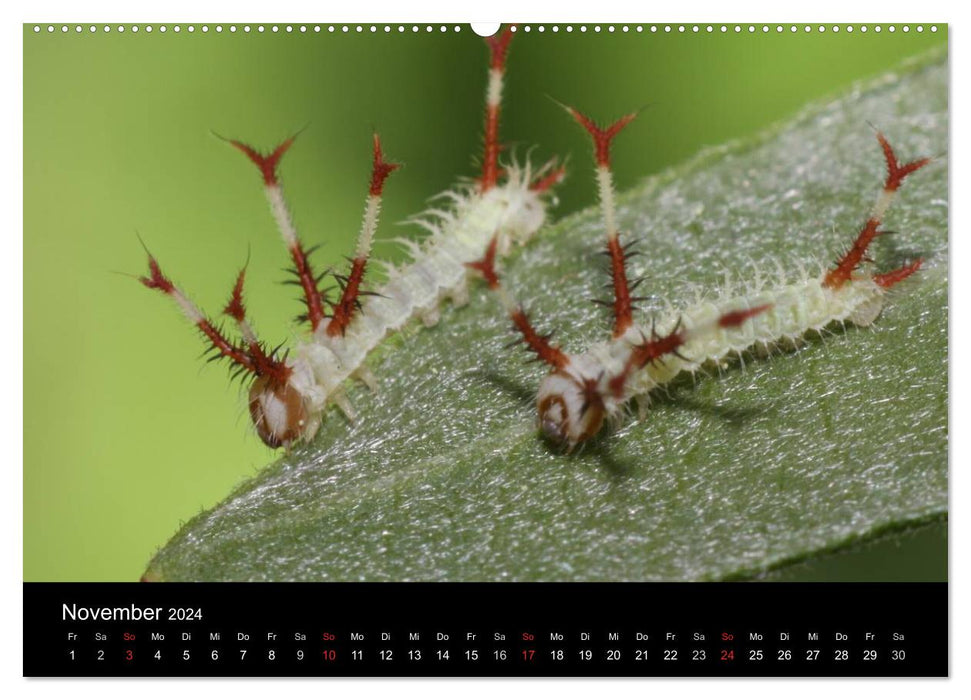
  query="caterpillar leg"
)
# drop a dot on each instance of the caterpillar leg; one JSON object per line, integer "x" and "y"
{"x": 459, "y": 294}
{"x": 343, "y": 403}
{"x": 431, "y": 316}
{"x": 367, "y": 377}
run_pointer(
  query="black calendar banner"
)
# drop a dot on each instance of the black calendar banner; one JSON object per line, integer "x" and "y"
{"x": 476, "y": 629}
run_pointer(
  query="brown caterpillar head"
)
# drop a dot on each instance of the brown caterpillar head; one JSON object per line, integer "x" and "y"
{"x": 571, "y": 408}
{"x": 280, "y": 411}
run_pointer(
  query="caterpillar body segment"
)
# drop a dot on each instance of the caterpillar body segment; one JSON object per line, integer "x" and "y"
{"x": 585, "y": 390}
{"x": 289, "y": 392}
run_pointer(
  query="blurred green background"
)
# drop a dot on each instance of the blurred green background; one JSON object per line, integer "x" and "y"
{"x": 126, "y": 432}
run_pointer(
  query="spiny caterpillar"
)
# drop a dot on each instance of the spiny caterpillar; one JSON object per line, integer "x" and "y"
{"x": 288, "y": 394}
{"x": 583, "y": 391}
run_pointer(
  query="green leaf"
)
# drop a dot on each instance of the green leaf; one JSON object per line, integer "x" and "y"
{"x": 731, "y": 473}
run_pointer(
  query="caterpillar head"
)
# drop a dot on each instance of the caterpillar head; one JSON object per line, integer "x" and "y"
{"x": 282, "y": 409}
{"x": 571, "y": 408}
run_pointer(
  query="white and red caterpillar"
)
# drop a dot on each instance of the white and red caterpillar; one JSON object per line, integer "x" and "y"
{"x": 585, "y": 390}
{"x": 290, "y": 391}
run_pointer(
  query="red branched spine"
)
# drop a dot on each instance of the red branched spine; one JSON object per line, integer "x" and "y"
{"x": 539, "y": 344}
{"x": 843, "y": 272}
{"x": 602, "y": 139}
{"x": 253, "y": 359}
{"x": 380, "y": 170}
{"x": 157, "y": 280}
{"x": 498, "y": 47}
{"x": 602, "y": 136}
{"x": 268, "y": 165}
{"x": 895, "y": 171}
{"x": 349, "y": 302}
{"x": 737, "y": 318}
{"x": 487, "y": 265}
{"x": 312, "y": 295}
{"x": 889, "y": 279}
{"x": 545, "y": 182}
{"x": 623, "y": 309}
{"x": 235, "y": 307}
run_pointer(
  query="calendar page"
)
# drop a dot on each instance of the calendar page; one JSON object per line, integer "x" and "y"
{"x": 518, "y": 350}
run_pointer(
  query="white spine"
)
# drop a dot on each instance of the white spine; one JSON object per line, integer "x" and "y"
{"x": 884, "y": 200}
{"x": 605, "y": 183}
{"x": 190, "y": 310}
{"x": 369, "y": 225}
{"x": 246, "y": 330}
{"x": 494, "y": 93}
{"x": 281, "y": 215}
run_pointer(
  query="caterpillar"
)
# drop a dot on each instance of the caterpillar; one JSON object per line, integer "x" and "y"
{"x": 584, "y": 391}
{"x": 289, "y": 391}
